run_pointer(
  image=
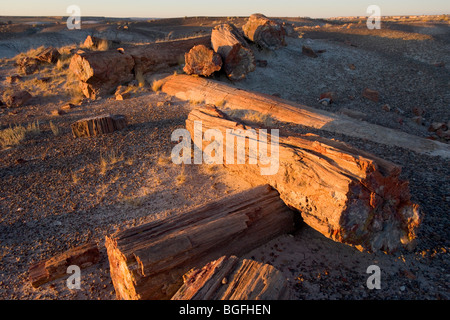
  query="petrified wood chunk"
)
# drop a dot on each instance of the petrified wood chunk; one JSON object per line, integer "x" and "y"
{"x": 346, "y": 194}
{"x": 238, "y": 59}
{"x": 98, "y": 125}
{"x": 148, "y": 261}
{"x": 202, "y": 61}
{"x": 56, "y": 267}
{"x": 230, "y": 278}
{"x": 265, "y": 32}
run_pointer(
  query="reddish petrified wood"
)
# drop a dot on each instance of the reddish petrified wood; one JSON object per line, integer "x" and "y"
{"x": 347, "y": 194}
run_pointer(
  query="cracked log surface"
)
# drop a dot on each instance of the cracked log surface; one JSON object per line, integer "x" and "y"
{"x": 198, "y": 89}
{"x": 231, "y": 278}
{"x": 148, "y": 262}
{"x": 346, "y": 194}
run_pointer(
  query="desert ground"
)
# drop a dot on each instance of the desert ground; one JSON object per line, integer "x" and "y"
{"x": 58, "y": 192}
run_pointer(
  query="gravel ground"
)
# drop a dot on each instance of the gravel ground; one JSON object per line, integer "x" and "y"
{"x": 55, "y": 193}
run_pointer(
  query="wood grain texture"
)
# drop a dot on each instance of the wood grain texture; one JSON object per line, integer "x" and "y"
{"x": 346, "y": 194}
{"x": 56, "y": 267}
{"x": 230, "y": 278}
{"x": 210, "y": 92}
{"x": 148, "y": 261}
{"x": 98, "y": 125}
{"x": 238, "y": 59}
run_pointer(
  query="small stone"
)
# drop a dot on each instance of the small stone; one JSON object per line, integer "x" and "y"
{"x": 370, "y": 94}
{"x": 386, "y": 107}
{"x": 325, "y": 101}
{"x": 418, "y": 120}
{"x": 443, "y": 134}
{"x": 329, "y": 95}
{"x": 68, "y": 106}
{"x": 399, "y": 111}
{"x": 307, "y": 51}
{"x": 435, "y": 126}
{"x": 352, "y": 66}
{"x": 261, "y": 63}
{"x": 57, "y": 112}
{"x": 402, "y": 288}
{"x": 418, "y": 111}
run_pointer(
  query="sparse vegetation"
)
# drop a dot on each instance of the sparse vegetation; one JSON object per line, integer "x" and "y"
{"x": 54, "y": 128}
{"x": 220, "y": 103}
{"x": 157, "y": 85}
{"x": 181, "y": 178}
{"x": 110, "y": 159}
{"x": 252, "y": 116}
{"x": 196, "y": 102}
{"x": 14, "y": 135}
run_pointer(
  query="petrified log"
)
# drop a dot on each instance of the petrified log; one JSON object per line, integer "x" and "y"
{"x": 346, "y": 194}
{"x": 200, "y": 89}
{"x": 49, "y": 55}
{"x": 238, "y": 59}
{"x": 264, "y": 32}
{"x": 27, "y": 65}
{"x": 98, "y": 125}
{"x": 16, "y": 99}
{"x": 161, "y": 55}
{"x": 230, "y": 278}
{"x": 148, "y": 261}
{"x": 202, "y": 60}
{"x": 56, "y": 267}
{"x": 100, "y": 72}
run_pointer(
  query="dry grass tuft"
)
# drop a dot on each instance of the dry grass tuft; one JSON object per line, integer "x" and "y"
{"x": 13, "y": 136}
{"x": 109, "y": 159}
{"x": 54, "y": 128}
{"x": 181, "y": 178}
{"x": 156, "y": 85}
{"x": 252, "y": 116}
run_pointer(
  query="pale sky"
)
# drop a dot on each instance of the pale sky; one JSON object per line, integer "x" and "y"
{"x": 179, "y": 8}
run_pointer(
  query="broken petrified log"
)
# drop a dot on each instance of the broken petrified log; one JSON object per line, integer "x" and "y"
{"x": 98, "y": 125}
{"x": 346, "y": 194}
{"x": 238, "y": 59}
{"x": 27, "y": 65}
{"x": 200, "y": 89}
{"x": 100, "y": 72}
{"x": 14, "y": 99}
{"x": 148, "y": 261}
{"x": 202, "y": 60}
{"x": 161, "y": 55}
{"x": 264, "y": 32}
{"x": 49, "y": 55}
{"x": 56, "y": 267}
{"x": 230, "y": 278}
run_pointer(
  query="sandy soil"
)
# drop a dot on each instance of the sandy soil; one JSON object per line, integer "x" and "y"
{"x": 57, "y": 192}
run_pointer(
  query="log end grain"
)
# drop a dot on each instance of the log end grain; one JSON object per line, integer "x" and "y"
{"x": 98, "y": 125}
